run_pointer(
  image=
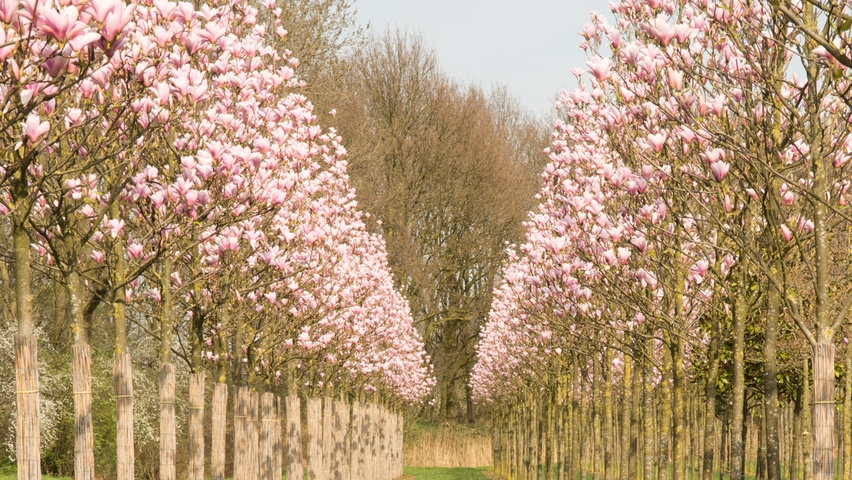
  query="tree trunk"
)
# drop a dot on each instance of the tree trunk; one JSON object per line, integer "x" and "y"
{"x": 710, "y": 404}
{"x": 168, "y": 439}
{"x": 123, "y": 377}
{"x": 84, "y": 440}
{"x": 327, "y": 436}
{"x": 28, "y": 436}
{"x": 608, "y": 436}
{"x": 770, "y": 385}
{"x": 294, "y": 438}
{"x": 738, "y": 387}
{"x": 315, "y": 439}
{"x": 268, "y": 426}
{"x": 665, "y": 421}
{"x": 823, "y": 412}
{"x": 340, "y": 465}
{"x": 678, "y": 414}
{"x": 807, "y": 470}
{"x": 219, "y": 420}
{"x": 795, "y": 456}
{"x": 648, "y": 414}
{"x": 635, "y": 418}
{"x": 597, "y": 420}
{"x": 627, "y": 373}
{"x": 241, "y": 434}
{"x": 28, "y": 431}
{"x": 847, "y": 417}
{"x": 252, "y": 425}
{"x": 358, "y": 459}
{"x": 196, "y": 426}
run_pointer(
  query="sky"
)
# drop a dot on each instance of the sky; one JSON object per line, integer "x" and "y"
{"x": 529, "y": 46}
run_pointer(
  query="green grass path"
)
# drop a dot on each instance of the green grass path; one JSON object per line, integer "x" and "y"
{"x": 446, "y": 473}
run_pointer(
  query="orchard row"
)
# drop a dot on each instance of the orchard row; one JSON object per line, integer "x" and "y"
{"x": 160, "y": 162}
{"x": 691, "y": 242}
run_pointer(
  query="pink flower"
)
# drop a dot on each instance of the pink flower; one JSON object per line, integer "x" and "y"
{"x": 34, "y": 128}
{"x": 8, "y": 9}
{"x": 600, "y": 68}
{"x": 657, "y": 141}
{"x": 114, "y": 226}
{"x": 786, "y": 232}
{"x": 135, "y": 250}
{"x": 720, "y": 169}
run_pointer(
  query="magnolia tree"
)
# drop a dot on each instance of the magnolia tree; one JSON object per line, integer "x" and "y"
{"x": 709, "y": 145}
{"x": 163, "y": 135}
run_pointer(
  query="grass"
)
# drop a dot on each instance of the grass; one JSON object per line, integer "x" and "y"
{"x": 9, "y": 472}
{"x": 420, "y": 473}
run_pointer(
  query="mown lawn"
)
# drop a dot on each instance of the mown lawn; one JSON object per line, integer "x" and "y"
{"x": 446, "y": 473}
{"x": 8, "y": 472}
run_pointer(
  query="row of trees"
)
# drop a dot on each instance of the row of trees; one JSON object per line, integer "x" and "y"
{"x": 447, "y": 172}
{"x": 691, "y": 241}
{"x": 163, "y": 176}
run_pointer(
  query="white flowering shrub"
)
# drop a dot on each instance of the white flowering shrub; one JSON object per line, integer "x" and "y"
{"x": 54, "y": 397}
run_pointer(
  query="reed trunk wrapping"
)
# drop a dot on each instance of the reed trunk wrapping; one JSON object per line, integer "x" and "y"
{"x": 219, "y": 420}
{"x": 240, "y": 434}
{"x": 356, "y": 443}
{"x": 823, "y": 413}
{"x": 27, "y": 435}
{"x": 84, "y": 439}
{"x": 314, "y": 456}
{"x": 339, "y": 464}
{"x": 196, "y": 426}
{"x": 294, "y": 438}
{"x": 123, "y": 377}
{"x": 327, "y": 436}
{"x": 168, "y": 439}
{"x": 277, "y": 446}
{"x": 252, "y": 427}
{"x": 370, "y": 422}
{"x": 268, "y": 425}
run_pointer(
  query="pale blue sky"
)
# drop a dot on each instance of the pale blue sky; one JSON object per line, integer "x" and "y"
{"x": 530, "y": 46}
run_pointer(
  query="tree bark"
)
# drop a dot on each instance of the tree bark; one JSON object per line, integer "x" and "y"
{"x": 665, "y": 421}
{"x": 635, "y": 418}
{"x": 678, "y": 414}
{"x": 710, "y": 404}
{"x": 648, "y": 413}
{"x": 770, "y": 386}
{"x": 608, "y": 437}
{"x": 738, "y": 388}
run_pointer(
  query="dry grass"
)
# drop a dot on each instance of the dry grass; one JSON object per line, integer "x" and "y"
{"x": 446, "y": 445}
